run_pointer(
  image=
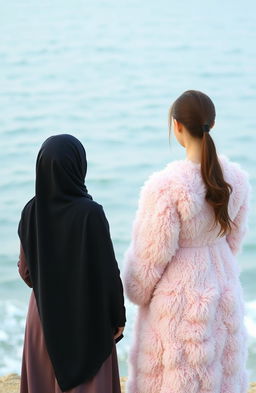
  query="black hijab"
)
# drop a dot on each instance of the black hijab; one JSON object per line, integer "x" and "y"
{"x": 76, "y": 280}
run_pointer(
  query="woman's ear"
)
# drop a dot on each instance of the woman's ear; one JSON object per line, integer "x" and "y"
{"x": 177, "y": 125}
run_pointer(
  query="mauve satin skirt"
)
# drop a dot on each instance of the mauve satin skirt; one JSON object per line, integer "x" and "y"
{"x": 37, "y": 374}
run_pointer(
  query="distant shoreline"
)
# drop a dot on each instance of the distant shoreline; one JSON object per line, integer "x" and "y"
{"x": 10, "y": 383}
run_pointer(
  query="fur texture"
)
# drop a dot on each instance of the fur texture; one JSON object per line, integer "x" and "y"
{"x": 189, "y": 335}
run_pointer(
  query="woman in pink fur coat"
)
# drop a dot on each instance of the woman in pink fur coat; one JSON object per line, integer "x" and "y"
{"x": 181, "y": 267}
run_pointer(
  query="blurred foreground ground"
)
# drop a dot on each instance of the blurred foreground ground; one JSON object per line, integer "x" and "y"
{"x": 10, "y": 384}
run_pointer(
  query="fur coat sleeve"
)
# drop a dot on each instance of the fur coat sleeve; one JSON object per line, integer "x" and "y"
{"x": 155, "y": 235}
{"x": 240, "y": 226}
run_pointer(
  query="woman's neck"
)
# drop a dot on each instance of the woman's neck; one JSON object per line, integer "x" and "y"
{"x": 194, "y": 151}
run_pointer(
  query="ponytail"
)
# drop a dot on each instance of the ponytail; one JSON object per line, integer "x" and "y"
{"x": 196, "y": 111}
{"x": 217, "y": 189}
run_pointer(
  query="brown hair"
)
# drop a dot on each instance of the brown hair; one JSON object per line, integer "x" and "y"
{"x": 196, "y": 111}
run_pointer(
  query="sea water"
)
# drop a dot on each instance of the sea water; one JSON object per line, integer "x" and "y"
{"x": 107, "y": 72}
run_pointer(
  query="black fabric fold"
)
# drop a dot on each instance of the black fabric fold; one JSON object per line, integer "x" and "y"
{"x": 67, "y": 244}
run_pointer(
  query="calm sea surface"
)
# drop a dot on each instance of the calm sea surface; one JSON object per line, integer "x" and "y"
{"x": 107, "y": 72}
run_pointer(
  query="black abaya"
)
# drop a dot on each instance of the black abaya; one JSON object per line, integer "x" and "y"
{"x": 66, "y": 239}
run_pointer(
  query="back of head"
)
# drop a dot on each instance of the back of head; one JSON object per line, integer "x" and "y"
{"x": 196, "y": 111}
{"x": 61, "y": 168}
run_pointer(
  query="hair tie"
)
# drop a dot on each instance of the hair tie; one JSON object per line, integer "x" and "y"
{"x": 205, "y": 127}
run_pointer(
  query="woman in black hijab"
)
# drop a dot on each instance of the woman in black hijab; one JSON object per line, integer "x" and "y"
{"x": 76, "y": 313}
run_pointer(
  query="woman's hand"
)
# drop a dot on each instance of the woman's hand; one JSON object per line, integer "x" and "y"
{"x": 119, "y": 331}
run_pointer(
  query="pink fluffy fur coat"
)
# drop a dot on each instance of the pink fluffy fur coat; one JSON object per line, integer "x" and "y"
{"x": 189, "y": 335}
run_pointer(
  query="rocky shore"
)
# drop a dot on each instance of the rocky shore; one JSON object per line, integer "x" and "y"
{"x": 10, "y": 384}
